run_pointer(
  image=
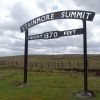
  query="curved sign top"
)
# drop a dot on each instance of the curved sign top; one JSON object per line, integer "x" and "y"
{"x": 68, "y": 14}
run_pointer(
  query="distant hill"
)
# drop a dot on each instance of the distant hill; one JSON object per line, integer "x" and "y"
{"x": 65, "y": 60}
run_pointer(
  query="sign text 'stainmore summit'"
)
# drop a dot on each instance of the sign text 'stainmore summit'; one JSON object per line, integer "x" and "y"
{"x": 70, "y": 14}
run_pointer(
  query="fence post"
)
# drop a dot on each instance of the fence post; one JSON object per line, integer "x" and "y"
{"x": 74, "y": 63}
{"x": 48, "y": 65}
{"x": 36, "y": 65}
{"x": 62, "y": 64}
{"x": 4, "y": 62}
{"x": 69, "y": 64}
{"x": 54, "y": 65}
{"x": 78, "y": 64}
{"x": 41, "y": 66}
{"x": 58, "y": 66}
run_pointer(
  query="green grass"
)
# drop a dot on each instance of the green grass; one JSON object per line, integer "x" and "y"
{"x": 45, "y": 86}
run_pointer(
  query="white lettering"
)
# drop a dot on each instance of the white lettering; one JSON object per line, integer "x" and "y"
{"x": 40, "y": 35}
{"x": 29, "y": 24}
{"x": 79, "y": 14}
{"x": 37, "y": 36}
{"x": 69, "y": 32}
{"x": 62, "y": 14}
{"x": 50, "y": 34}
{"x": 22, "y": 28}
{"x": 46, "y": 35}
{"x": 67, "y": 15}
{"x": 43, "y": 18}
{"x": 38, "y": 20}
{"x": 33, "y": 22}
{"x": 88, "y": 14}
{"x": 47, "y": 17}
{"x": 74, "y": 32}
{"x": 25, "y": 26}
{"x": 52, "y": 16}
{"x": 83, "y": 15}
{"x": 73, "y": 14}
{"x": 55, "y": 34}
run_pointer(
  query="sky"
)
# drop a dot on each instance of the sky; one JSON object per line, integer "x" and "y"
{"x": 14, "y": 13}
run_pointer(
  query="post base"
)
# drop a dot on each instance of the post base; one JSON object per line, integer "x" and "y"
{"x": 87, "y": 94}
{"x": 24, "y": 85}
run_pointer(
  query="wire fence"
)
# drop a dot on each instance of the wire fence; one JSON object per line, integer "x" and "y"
{"x": 51, "y": 65}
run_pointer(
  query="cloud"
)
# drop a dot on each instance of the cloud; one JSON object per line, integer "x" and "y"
{"x": 15, "y": 13}
{"x": 92, "y": 5}
{"x": 19, "y": 13}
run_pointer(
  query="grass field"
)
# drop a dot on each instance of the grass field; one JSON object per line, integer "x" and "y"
{"x": 45, "y": 85}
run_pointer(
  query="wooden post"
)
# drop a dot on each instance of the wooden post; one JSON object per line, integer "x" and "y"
{"x": 85, "y": 57}
{"x": 26, "y": 56}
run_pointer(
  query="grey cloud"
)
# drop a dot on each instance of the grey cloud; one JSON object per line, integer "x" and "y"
{"x": 56, "y": 45}
{"x": 16, "y": 47}
{"x": 44, "y": 4}
{"x": 93, "y": 44}
{"x": 11, "y": 45}
{"x": 96, "y": 20}
{"x": 19, "y": 14}
{"x": 1, "y": 32}
{"x": 92, "y": 5}
{"x": 93, "y": 50}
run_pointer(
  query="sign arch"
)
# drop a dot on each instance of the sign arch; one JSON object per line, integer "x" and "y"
{"x": 67, "y": 14}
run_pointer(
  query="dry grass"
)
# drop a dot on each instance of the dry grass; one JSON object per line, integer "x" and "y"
{"x": 45, "y": 62}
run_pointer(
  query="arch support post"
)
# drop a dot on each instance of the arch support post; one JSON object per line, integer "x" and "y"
{"x": 25, "y": 57}
{"x": 85, "y": 57}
